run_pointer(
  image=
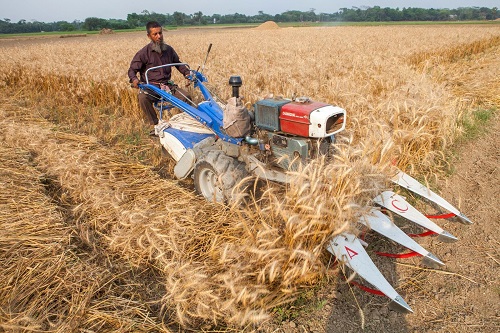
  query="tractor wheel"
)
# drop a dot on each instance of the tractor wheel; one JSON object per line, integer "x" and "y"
{"x": 216, "y": 175}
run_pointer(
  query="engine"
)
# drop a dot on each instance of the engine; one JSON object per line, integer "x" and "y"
{"x": 297, "y": 130}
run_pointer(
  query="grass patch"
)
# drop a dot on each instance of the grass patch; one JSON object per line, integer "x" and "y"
{"x": 49, "y": 33}
{"x": 476, "y": 124}
{"x": 473, "y": 126}
{"x": 75, "y": 32}
{"x": 306, "y": 302}
{"x": 382, "y": 23}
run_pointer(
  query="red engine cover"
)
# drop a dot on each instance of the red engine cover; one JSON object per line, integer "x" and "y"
{"x": 294, "y": 117}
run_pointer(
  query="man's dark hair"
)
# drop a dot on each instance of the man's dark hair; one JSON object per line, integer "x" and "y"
{"x": 152, "y": 24}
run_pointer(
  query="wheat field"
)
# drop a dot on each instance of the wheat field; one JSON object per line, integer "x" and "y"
{"x": 94, "y": 237}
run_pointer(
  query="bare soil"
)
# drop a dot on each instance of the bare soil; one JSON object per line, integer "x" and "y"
{"x": 464, "y": 296}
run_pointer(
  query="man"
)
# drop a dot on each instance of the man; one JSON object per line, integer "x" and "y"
{"x": 156, "y": 53}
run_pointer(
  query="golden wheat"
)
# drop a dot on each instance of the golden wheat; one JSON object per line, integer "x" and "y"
{"x": 368, "y": 71}
{"x": 46, "y": 286}
{"x": 218, "y": 264}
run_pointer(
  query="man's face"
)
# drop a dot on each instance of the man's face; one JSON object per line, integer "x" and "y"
{"x": 156, "y": 35}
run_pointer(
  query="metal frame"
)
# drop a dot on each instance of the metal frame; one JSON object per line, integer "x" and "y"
{"x": 209, "y": 113}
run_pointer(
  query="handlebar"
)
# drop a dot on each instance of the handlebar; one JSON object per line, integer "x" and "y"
{"x": 161, "y": 66}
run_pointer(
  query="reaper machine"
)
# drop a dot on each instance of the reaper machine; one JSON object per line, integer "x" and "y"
{"x": 219, "y": 145}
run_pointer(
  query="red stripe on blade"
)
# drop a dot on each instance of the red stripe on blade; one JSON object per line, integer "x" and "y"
{"x": 443, "y": 216}
{"x": 398, "y": 255}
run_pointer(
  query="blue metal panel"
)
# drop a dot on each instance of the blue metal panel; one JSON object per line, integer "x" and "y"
{"x": 212, "y": 109}
{"x": 193, "y": 112}
{"x": 188, "y": 139}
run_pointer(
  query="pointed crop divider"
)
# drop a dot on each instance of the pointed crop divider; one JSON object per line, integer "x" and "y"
{"x": 348, "y": 249}
{"x": 406, "y": 181}
{"x": 398, "y": 205}
{"x": 381, "y": 224}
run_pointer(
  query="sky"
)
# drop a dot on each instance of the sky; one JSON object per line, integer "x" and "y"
{"x": 70, "y": 10}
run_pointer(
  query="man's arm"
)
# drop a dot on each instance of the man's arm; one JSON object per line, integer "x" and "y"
{"x": 135, "y": 67}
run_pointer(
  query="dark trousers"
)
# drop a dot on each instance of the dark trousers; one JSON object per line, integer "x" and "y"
{"x": 146, "y": 103}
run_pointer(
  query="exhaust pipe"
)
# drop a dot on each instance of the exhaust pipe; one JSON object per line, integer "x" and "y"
{"x": 235, "y": 82}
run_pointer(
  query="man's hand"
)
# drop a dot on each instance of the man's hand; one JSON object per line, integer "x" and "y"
{"x": 188, "y": 80}
{"x": 135, "y": 84}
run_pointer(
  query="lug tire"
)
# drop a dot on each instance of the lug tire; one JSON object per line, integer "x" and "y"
{"x": 216, "y": 175}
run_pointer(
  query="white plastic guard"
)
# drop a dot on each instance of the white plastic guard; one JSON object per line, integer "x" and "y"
{"x": 185, "y": 164}
{"x": 172, "y": 145}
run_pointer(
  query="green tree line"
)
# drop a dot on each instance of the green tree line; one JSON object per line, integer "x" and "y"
{"x": 354, "y": 14}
